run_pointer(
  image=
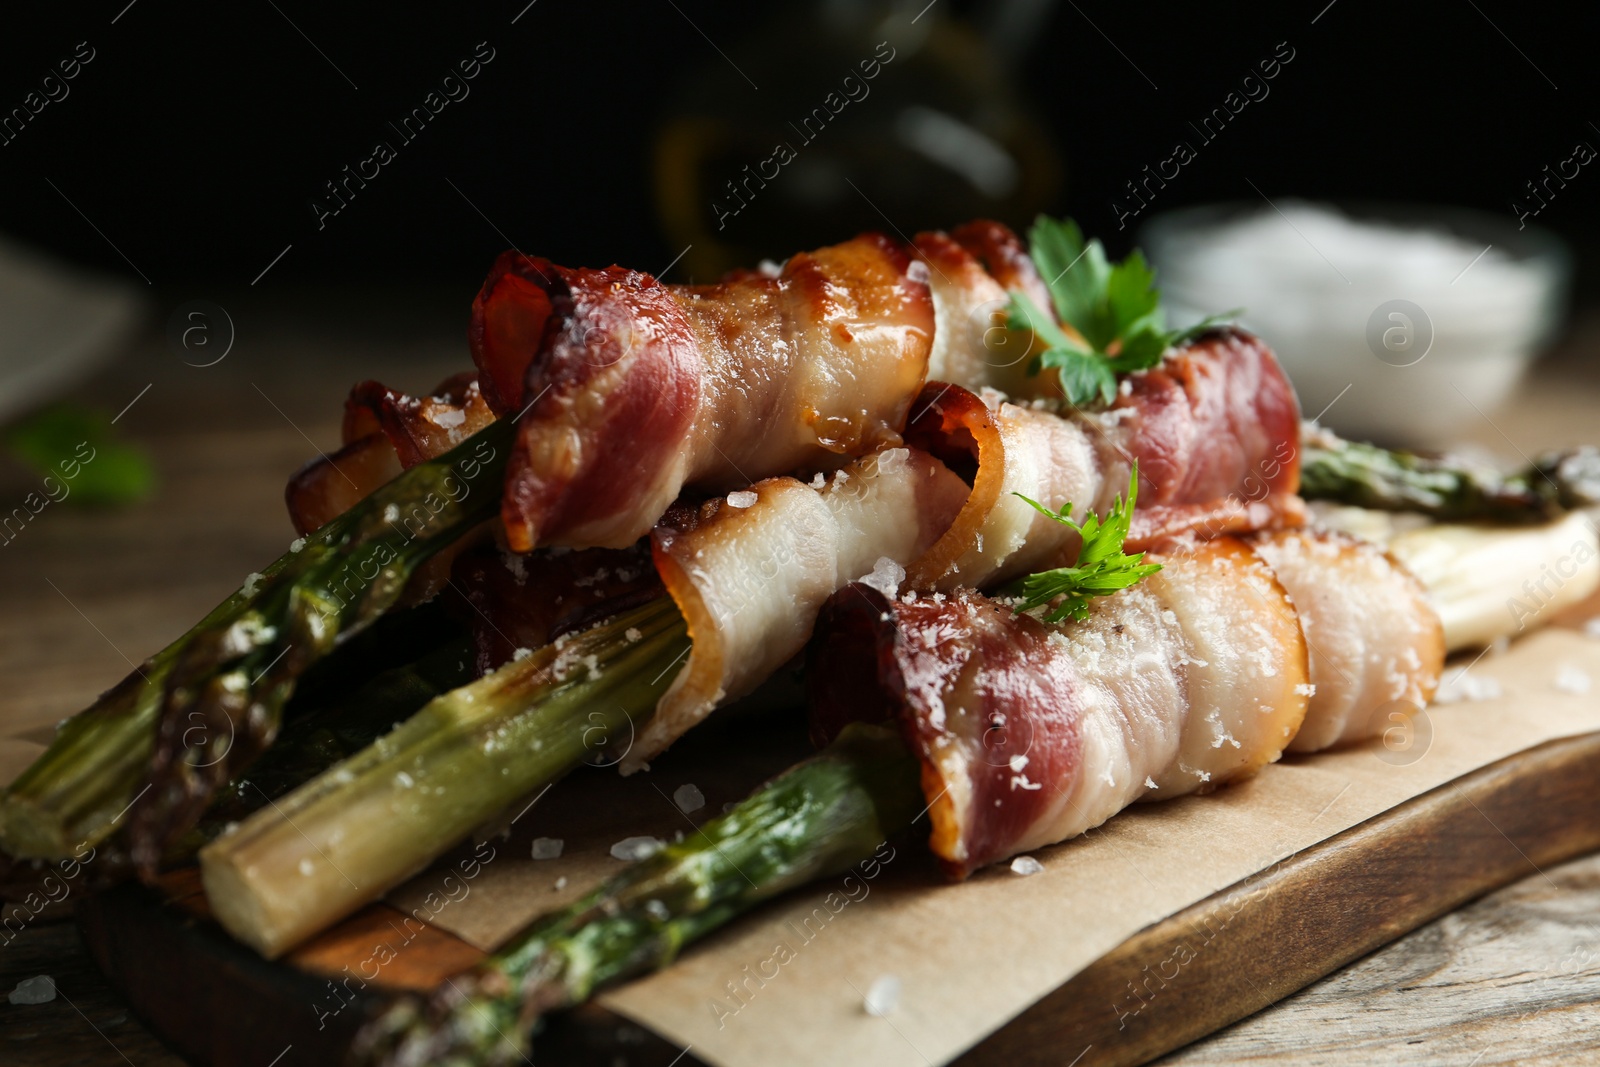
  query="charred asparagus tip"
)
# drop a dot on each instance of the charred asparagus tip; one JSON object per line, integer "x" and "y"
{"x": 820, "y": 817}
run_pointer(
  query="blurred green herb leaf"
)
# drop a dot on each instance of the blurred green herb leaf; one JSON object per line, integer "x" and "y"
{"x": 79, "y": 448}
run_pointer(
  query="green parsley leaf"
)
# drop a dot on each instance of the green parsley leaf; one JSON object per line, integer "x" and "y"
{"x": 1102, "y": 567}
{"x": 77, "y": 450}
{"x": 1115, "y": 310}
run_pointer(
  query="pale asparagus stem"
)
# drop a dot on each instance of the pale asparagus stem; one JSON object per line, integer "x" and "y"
{"x": 820, "y": 817}
{"x": 359, "y": 829}
{"x": 221, "y": 686}
{"x": 335, "y": 730}
{"x": 1367, "y": 476}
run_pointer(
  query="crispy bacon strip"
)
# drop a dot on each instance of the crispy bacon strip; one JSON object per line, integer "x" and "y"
{"x": 633, "y": 390}
{"x": 1031, "y": 733}
{"x": 751, "y": 571}
{"x": 1214, "y": 430}
{"x": 384, "y": 432}
{"x": 1376, "y": 644}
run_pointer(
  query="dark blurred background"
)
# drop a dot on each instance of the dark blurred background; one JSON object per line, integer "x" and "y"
{"x": 199, "y": 136}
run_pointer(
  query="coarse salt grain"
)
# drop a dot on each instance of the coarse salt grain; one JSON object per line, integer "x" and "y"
{"x": 1026, "y": 865}
{"x": 885, "y": 577}
{"x": 1464, "y": 687}
{"x": 1570, "y": 679}
{"x": 688, "y": 797}
{"x": 883, "y": 996}
{"x": 40, "y": 989}
{"x": 547, "y": 848}
{"x": 744, "y": 498}
{"x": 635, "y": 848}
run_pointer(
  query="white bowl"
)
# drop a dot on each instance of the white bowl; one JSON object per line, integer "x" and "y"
{"x": 1397, "y": 323}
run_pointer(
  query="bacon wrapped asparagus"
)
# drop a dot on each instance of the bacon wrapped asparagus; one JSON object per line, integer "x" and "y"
{"x": 1022, "y": 733}
{"x": 748, "y": 572}
{"x": 747, "y": 575}
{"x": 1030, "y": 734}
{"x": 1213, "y": 429}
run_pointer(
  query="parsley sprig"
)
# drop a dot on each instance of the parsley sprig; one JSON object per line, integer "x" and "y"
{"x": 1113, "y": 311}
{"x": 1102, "y": 567}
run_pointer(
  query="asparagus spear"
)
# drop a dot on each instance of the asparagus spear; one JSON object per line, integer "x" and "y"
{"x": 1371, "y": 477}
{"x": 337, "y": 729}
{"x": 820, "y": 817}
{"x": 201, "y": 709}
{"x": 370, "y": 822}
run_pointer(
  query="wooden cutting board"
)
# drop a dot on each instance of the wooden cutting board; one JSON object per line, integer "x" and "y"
{"x": 221, "y": 1004}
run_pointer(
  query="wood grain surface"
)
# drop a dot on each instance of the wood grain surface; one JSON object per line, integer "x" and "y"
{"x": 85, "y": 592}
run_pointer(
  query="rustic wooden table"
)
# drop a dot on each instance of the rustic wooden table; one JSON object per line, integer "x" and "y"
{"x": 1514, "y": 977}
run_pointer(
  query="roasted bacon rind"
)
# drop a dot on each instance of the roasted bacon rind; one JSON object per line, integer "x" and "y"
{"x": 384, "y": 432}
{"x": 1376, "y": 643}
{"x": 970, "y": 343}
{"x": 632, "y": 390}
{"x": 1214, "y": 430}
{"x": 750, "y": 579}
{"x": 1005, "y": 258}
{"x": 1031, "y": 733}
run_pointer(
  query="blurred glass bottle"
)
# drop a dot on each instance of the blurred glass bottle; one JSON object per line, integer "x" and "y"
{"x": 869, "y": 115}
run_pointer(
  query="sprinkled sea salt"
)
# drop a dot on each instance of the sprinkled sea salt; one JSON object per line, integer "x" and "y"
{"x": 521, "y": 654}
{"x": 40, "y": 989}
{"x": 306, "y": 867}
{"x": 1305, "y": 689}
{"x": 390, "y": 513}
{"x": 450, "y": 418}
{"x": 297, "y": 544}
{"x": 1465, "y": 687}
{"x": 1570, "y": 679}
{"x": 1026, "y": 865}
{"x": 688, "y": 797}
{"x": 249, "y": 587}
{"x": 635, "y": 848}
{"x": 885, "y": 577}
{"x": 561, "y": 883}
{"x": 547, "y": 848}
{"x": 657, "y": 911}
{"x": 404, "y": 780}
{"x": 744, "y": 498}
{"x": 633, "y": 633}
{"x": 883, "y": 996}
